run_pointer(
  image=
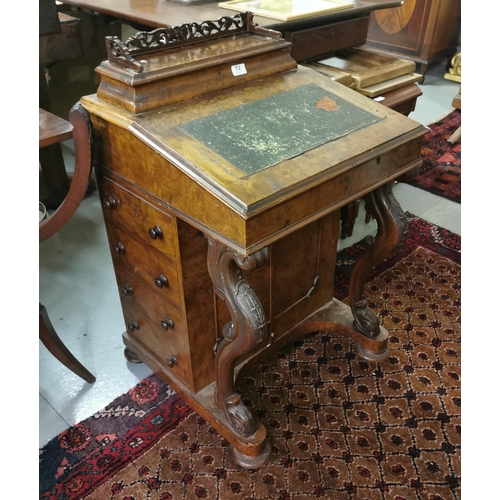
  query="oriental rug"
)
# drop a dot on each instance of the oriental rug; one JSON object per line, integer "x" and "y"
{"x": 441, "y": 169}
{"x": 340, "y": 427}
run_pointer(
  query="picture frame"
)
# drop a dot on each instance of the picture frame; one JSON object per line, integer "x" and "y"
{"x": 287, "y": 10}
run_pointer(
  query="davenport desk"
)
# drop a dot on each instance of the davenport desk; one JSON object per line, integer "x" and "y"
{"x": 222, "y": 167}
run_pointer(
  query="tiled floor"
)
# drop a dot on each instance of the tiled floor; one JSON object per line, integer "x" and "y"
{"x": 77, "y": 286}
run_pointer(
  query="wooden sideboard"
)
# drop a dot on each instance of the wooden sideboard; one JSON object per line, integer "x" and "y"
{"x": 420, "y": 30}
{"x": 222, "y": 166}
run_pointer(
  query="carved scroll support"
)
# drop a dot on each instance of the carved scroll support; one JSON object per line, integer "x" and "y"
{"x": 247, "y": 329}
{"x": 391, "y": 234}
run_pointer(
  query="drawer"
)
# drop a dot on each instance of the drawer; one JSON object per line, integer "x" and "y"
{"x": 132, "y": 255}
{"x": 143, "y": 290}
{"x": 173, "y": 357}
{"x": 315, "y": 42}
{"x": 138, "y": 298}
{"x": 138, "y": 216}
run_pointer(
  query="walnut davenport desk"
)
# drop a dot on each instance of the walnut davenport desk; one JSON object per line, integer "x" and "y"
{"x": 222, "y": 166}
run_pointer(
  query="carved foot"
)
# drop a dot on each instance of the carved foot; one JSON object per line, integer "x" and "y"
{"x": 252, "y": 462}
{"x": 391, "y": 234}
{"x": 131, "y": 356}
{"x": 370, "y": 355}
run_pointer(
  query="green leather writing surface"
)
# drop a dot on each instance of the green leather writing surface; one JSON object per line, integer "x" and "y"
{"x": 262, "y": 133}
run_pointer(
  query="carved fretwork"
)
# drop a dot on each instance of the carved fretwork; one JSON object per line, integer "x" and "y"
{"x": 247, "y": 329}
{"x": 124, "y": 53}
{"x": 391, "y": 234}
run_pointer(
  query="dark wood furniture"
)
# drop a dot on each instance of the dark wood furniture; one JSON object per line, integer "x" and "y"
{"x": 421, "y": 30}
{"x": 53, "y": 129}
{"x": 223, "y": 237}
{"x": 312, "y": 37}
{"x": 48, "y": 22}
{"x": 53, "y": 178}
{"x": 60, "y": 38}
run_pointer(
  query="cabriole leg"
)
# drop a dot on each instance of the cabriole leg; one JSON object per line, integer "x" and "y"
{"x": 247, "y": 329}
{"x": 391, "y": 234}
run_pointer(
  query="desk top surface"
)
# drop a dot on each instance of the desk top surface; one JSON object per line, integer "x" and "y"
{"x": 164, "y": 13}
{"x": 52, "y": 129}
{"x": 211, "y": 138}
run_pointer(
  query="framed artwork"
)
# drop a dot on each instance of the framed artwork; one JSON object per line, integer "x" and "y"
{"x": 287, "y": 10}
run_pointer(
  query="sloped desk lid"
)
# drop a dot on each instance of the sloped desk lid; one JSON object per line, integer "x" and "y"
{"x": 254, "y": 146}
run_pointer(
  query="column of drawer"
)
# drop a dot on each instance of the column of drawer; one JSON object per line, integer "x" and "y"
{"x": 158, "y": 342}
{"x": 143, "y": 248}
{"x": 153, "y": 227}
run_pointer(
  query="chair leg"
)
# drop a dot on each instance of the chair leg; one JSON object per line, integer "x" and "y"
{"x": 54, "y": 344}
{"x": 348, "y": 215}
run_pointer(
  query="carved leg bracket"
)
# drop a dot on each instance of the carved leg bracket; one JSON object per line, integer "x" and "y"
{"x": 391, "y": 233}
{"x": 248, "y": 328}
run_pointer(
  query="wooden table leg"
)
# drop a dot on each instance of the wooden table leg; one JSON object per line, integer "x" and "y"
{"x": 56, "y": 347}
{"x": 392, "y": 232}
{"x": 348, "y": 215}
{"x": 247, "y": 329}
{"x": 54, "y": 176}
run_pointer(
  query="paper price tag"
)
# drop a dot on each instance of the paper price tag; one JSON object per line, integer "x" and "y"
{"x": 379, "y": 98}
{"x": 239, "y": 69}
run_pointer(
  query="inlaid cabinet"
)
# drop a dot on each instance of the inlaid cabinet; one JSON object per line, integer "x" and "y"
{"x": 420, "y": 30}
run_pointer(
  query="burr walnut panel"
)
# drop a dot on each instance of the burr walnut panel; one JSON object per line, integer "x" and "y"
{"x": 144, "y": 262}
{"x": 158, "y": 342}
{"x": 138, "y": 216}
{"x": 164, "y": 314}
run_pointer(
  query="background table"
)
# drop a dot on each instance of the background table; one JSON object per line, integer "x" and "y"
{"x": 312, "y": 37}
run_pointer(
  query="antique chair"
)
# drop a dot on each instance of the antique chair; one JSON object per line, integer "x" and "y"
{"x": 53, "y": 130}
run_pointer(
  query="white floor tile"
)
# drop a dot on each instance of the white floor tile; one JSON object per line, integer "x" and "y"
{"x": 446, "y": 214}
{"x": 50, "y": 423}
{"x": 438, "y": 96}
{"x": 414, "y": 200}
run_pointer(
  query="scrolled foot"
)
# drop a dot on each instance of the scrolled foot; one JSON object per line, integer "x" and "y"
{"x": 392, "y": 229}
{"x": 250, "y": 462}
{"x": 131, "y": 356}
{"x": 371, "y": 355}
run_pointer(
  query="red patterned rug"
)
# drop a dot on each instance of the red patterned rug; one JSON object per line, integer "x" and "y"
{"x": 340, "y": 427}
{"x": 441, "y": 170}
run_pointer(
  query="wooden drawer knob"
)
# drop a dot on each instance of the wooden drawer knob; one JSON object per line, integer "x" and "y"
{"x": 161, "y": 281}
{"x": 167, "y": 323}
{"x": 119, "y": 248}
{"x": 127, "y": 290}
{"x": 155, "y": 232}
{"x": 109, "y": 202}
{"x": 171, "y": 361}
{"x": 133, "y": 325}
